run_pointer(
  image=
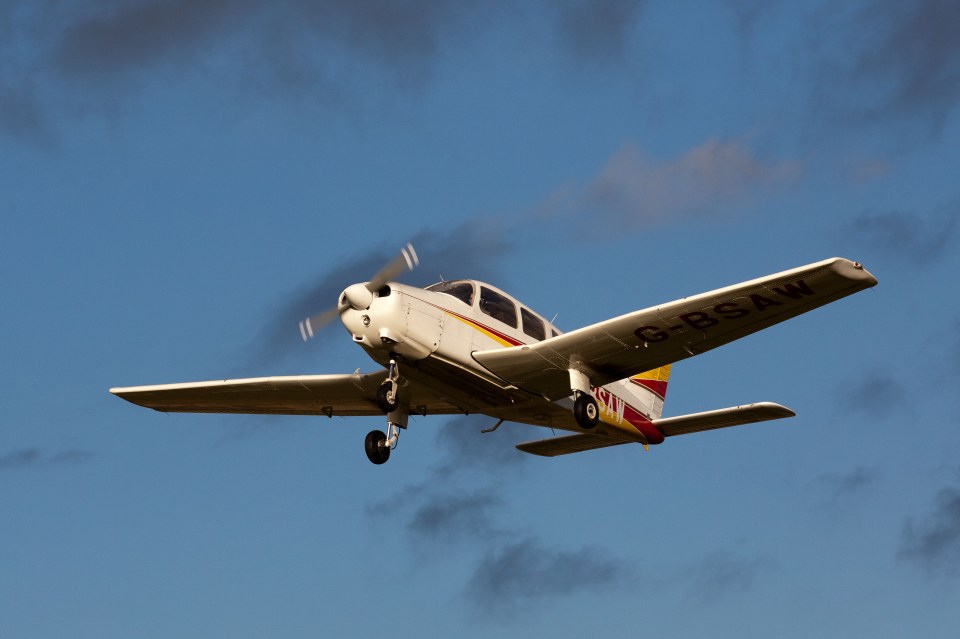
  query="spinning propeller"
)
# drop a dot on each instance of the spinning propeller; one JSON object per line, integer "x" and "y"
{"x": 360, "y": 296}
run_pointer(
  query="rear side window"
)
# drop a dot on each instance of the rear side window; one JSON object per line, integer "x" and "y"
{"x": 498, "y": 306}
{"x": 532, "y": 325}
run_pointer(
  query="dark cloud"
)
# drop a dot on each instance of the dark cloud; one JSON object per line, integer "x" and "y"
{"x": 634, "y": 190}
{"x": 910, "y": 57}
{"x": 464, "y": 447}
{"x": 86, "y": 57}
{"x": 512, "y": 577}
{"x": 720, "y": 574}
{"x": 597, "y": 29}
{"x": 881, "y": 61}
{"x": 912, "y": 238}
{"x": 875, "y": 393}
{"x": 454, "y": 517}
{"x": 933, "y": 541}
{"x": 841, "y": 487}
{"x": 34, "y": 457}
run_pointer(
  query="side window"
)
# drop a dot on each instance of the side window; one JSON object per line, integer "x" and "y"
{"x": 463, "y": 291}
{"x": 498, "y": 306}
{"x": 532, "y": 325}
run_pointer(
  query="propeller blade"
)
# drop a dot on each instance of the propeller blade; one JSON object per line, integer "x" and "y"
{"x": 406, "y": 261}
{"x": 313, "y": 324}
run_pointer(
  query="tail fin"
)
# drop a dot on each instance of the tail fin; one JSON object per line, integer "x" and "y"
{"x": 653, "y": 387}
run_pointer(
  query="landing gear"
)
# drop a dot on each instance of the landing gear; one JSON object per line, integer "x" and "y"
{"x": 378, "y": 450}
{"x": 387, "y": 398}
{"x": 585, "y": 410}
{"x": 379, "y": 444}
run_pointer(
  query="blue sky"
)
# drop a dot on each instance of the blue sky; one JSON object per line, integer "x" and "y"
{"x": 181, "y": 182}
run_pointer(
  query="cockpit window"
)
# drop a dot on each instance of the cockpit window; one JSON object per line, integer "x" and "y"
{"x": 532, "y": 325}
{"x": 461, "y": 290}
{"x": 498, "y": 306}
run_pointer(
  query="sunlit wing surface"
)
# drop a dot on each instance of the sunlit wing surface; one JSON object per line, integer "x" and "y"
{"x": 722, "y": 418}
{"x": 682, "y": 425}
{"x": 347, "y": 395}
{"x": 659, "y": 335}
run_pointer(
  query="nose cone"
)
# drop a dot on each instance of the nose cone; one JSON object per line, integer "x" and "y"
{"x": 358, "y": 296}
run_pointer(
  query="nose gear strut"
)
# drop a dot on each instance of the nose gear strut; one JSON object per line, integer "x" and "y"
{"x": 379, "y": 444}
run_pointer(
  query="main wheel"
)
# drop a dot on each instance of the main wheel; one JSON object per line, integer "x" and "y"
{"x": 387, "y": 397}
{"x": 585, "y": 411}
{"x": 375, "y": 445}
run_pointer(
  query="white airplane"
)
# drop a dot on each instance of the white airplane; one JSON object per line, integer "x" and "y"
{"x": 462, "y": 346}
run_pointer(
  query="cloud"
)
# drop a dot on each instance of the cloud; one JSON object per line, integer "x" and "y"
{"x": 719, "y": 574}
{"x": 842, "y": 487}
{"x": 933, "y": 541}
{"x": 875, "y": 393}
{"x": 598, "y": 29}
{"x": 915, "y": 239}
{"x": 514, "y": 576}
{"x": 464, "y": 447}
{"x": 456, "y": 516}
{"x": 633, "y": 190}
{"x": 86, "y": 58}
{"x": 34, "y": 458}
{"x": 909, "y": 56}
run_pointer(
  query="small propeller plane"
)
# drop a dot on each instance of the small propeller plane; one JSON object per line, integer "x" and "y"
{"x": 463, "y": 346}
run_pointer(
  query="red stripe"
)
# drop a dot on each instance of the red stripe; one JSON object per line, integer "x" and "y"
{"x": 654, "y": 385}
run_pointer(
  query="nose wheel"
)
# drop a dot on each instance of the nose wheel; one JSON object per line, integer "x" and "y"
{"x": 387, "y": 398}
{"x": 378, "y": 450}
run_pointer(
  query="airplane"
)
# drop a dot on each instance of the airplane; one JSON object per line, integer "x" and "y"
{"x": 465, "y": 347}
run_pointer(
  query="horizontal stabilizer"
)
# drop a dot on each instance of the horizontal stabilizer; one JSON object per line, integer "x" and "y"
{"x": 722, "y": 418}
{"x": 569, "y": 444}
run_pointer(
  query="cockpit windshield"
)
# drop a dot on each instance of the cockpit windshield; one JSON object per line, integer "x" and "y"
{"x": 460, "y": 289}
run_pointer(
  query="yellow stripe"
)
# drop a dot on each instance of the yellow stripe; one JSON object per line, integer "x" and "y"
{"x": 495, "y": 338}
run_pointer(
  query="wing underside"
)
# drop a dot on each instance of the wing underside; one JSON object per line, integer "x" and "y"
{"x": 344, "y": 395}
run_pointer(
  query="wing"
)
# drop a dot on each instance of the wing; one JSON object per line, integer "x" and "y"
{"x": 682, "y": 425}
{"x": 554, "y": 446}
{"x": 347, "y": 395}
{"x": 659, "y": 335}
{"x": 722, "y": 418}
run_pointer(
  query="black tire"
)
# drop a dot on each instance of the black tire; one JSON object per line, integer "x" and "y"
{"x": 377, "y": 453}
{"x": 586, "y": 411}
{"x": 386, "y": 400}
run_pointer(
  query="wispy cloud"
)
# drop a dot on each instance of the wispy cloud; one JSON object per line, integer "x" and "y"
{"x": 908, "y": 59}
{"x": 720, "y": 574}
{"x": 597, "y": 29}
{"x": 634, "y": 190}
{"x": 915, "y": 239}
{"x": 875, "y": 393}
{"x": 839, "y": 489}
{"x": 34, "y": 457}
{"x": 514, "y": 576}
{"x": 933, "y": 541}
{"x": 289, "y": 50}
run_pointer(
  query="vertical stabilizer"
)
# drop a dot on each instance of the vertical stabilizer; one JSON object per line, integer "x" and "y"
{"x": 652, "y": 387}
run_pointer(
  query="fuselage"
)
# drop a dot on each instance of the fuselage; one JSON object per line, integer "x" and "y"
{"x": 435, "y": 331}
